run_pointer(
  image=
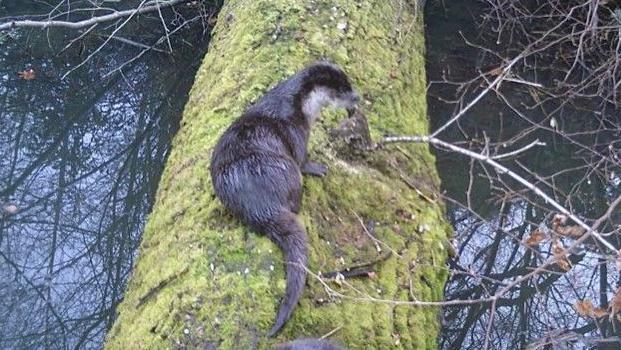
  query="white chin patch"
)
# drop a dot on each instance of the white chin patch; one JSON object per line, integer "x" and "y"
{"x": 318, "y": 98}
{"x": 344, "y": 103}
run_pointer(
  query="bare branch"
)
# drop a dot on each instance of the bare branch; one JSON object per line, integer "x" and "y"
{"x": 503, "y": 170}
{"x": 157, "y": 6}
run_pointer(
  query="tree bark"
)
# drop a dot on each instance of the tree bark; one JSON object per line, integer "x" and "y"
{"x": 204, "y": 280}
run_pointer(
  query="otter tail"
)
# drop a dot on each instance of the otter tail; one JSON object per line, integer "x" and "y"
{"x": 286, "y": 231}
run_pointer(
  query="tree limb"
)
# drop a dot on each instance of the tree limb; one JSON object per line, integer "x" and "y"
{"x": 28, "y": 23}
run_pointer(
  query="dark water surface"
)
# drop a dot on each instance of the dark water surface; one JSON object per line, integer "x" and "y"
{"x": 80, "y": 160}
{"x": 491, "y": 214}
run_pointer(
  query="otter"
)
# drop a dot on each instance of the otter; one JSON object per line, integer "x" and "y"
{"x": 258, "y": 162}
{"x": 309, "y": 344}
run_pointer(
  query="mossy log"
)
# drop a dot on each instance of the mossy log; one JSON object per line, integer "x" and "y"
{"x": 204, "y": 280}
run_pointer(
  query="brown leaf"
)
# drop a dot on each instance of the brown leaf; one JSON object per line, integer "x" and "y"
{"x": 535, "y": 238}
{"x": 559, "y": 219}
{"x": 564, "y": 264}
{"x": 574, "y": 231}
{"x": 598, "y": 312}
{"x": 584, "y": 308}
{"x": 558, "y": 248}
{"x": 615, "y": 303}
{"x": 27, "y": 74}
{"x": 495, "y": 71}
{"x": 559, "y": 253}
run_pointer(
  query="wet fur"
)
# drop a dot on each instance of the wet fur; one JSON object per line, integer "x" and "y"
{"x": 257, "y": 165}
{"x": 309, "y": 344}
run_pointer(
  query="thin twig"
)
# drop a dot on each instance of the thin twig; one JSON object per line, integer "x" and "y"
{"x": 331, "y": 332}
{"x": 135, "y": 43}
{"x": 504, "y": 170}
{"x": 520, "y": 150}
{"x": 505, "y": 71}
{"x": 375, "y": 240}
{"x": 89, "y": 22}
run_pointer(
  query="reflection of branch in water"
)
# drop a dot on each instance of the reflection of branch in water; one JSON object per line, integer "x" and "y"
{"x": 43, "y": 157}
{"x": 45, "y": 299}
{"x": 81, "y": 161}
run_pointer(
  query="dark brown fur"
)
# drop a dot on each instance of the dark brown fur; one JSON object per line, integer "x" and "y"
{"x": 257, "y": 165}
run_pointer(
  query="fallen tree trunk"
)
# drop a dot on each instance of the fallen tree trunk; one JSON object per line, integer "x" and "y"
{"x": 203, "y": 280}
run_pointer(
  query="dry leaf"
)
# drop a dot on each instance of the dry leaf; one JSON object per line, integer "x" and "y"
{"x": 558, "y": 248}
{"x": 570, "y": 231}
{"x": 559, "y": 219}
{"x": 495, "y": 71}
{"x": 564, "y": 264}
{"x": 584, "y": 308}
{"x": 559, "y": 253}
{"x": 615, "y": 304}
{"x": 27, "y": 74}
{"x": 535, "y": 238}
{"x": 598, "y": 312}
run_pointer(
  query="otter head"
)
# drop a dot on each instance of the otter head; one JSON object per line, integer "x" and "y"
{"x": 327, "y": 85}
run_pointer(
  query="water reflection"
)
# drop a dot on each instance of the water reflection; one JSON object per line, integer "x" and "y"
{"x": 493, "y": 216}
{"x": 80, "y": 160}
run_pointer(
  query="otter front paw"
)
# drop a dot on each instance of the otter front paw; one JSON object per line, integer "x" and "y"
{"x": 314, "y": 168}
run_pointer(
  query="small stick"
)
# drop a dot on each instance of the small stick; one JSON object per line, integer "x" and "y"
{"x": 331, "y": 332}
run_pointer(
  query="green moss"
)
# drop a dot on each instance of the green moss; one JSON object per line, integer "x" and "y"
{"x": 222, "y": 281}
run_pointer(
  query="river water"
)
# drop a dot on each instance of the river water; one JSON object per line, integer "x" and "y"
{"x": 80, "y": 160}
{"x": 493, "y": 215}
